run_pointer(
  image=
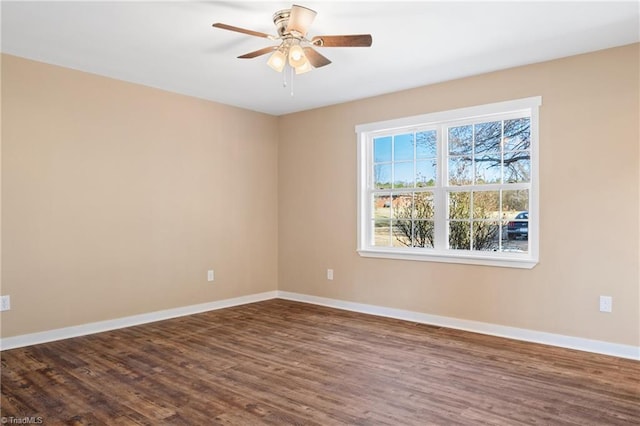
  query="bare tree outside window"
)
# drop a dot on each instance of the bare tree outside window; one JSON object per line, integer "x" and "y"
{"x": 485, "y": 153}
{"x": 414, "y": 221}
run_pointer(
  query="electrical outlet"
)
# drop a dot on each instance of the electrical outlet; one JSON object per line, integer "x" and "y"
{"x": 606, "y": 303}
{"x": 5, "y": 303}
{"x": 330, "y": 274}
{"x": 210, "y": 275}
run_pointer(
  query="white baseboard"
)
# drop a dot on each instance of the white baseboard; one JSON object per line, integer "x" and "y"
{"x": 596, "y": 346}
{"x": 98, "y": 327}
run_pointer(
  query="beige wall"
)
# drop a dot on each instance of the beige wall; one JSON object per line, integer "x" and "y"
{"x": 117, "y": 198}
{"x": 589, "y": 149}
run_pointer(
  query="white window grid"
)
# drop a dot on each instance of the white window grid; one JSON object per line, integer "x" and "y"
{"x": 440, "y": 122}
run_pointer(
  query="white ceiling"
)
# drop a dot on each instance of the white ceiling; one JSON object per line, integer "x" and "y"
{"x": 171, "y": 45}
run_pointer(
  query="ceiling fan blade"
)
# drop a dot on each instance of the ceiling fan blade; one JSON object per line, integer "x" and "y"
{"x": 241, "y": 30}
{"x": 300, "y": 20}
{"x": 259, "y": 52}
{"x": 315, "y": 58}
{"x": 354, "y": 40}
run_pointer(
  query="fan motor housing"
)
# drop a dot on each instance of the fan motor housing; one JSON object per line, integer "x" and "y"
{"x": 281, "y": 20}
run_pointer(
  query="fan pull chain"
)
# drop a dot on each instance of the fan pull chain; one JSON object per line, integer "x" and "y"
{"x": 284, "y": 79}
{"x": 291, "y": 68}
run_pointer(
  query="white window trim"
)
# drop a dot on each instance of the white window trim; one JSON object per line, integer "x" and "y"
{"x": 502, "y": 259}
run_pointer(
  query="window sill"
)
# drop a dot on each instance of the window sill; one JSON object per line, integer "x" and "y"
{"x": 503, "y": 260}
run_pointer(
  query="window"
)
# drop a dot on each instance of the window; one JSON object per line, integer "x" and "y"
{"x": 454, "y": 186}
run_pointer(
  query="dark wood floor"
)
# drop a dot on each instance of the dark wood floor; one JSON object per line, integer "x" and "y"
{"x": 280, "y": 362}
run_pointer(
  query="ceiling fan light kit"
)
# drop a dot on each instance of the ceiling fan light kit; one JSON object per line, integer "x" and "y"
{"x": 277, "y": 61}
{"x": 295, "y": 49}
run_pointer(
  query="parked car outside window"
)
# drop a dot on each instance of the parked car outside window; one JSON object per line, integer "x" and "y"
{"x": 519, "y": 227}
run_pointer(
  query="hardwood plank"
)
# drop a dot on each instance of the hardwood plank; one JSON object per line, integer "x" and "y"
{"x": 281, "y": 362}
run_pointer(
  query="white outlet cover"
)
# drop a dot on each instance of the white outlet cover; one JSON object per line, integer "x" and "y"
{"x": 5, "y": 303}
{"x": 606, "y": 303}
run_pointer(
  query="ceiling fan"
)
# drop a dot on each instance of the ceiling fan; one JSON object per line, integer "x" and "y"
{"x": 295, "y": 48}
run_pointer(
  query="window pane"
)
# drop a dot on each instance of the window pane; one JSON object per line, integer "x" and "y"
{"x": 485, "y": 235}
{"x": 402, "y": 232}
{"x": 517, "y": 134}
{"x": 382, "y": 149}
{"x": 423, "y": 233}
{"x": 403, "y": 175}
{"x": 487, "y": 139}
{"x": 403, "y": 147}
{"x": 517, "y": 234}
{"x": 401, "y": 202}
{"x": 402, "y": 206}
{"x": 425, "y": 173}
{"x": 514, "y": 202}
{"x": 517, "y": 167}
{"x": 382, "y": 176}
{"x": 423, "y": 205}
{"x": 460, "y": 172}
{"x": 486, "y": 205}
{"x": 515, "y": 246}
{"x": 459, "y": 205}
{"x": 515, "y": 206}
{"x": 488, "y": 169}
{"x": 459, "y": 235}
{"x": 382, "y": 233}
{"x": 461, "y": 140}
{"x": 426, "y": 144}
{"x": 382, "y": 206}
